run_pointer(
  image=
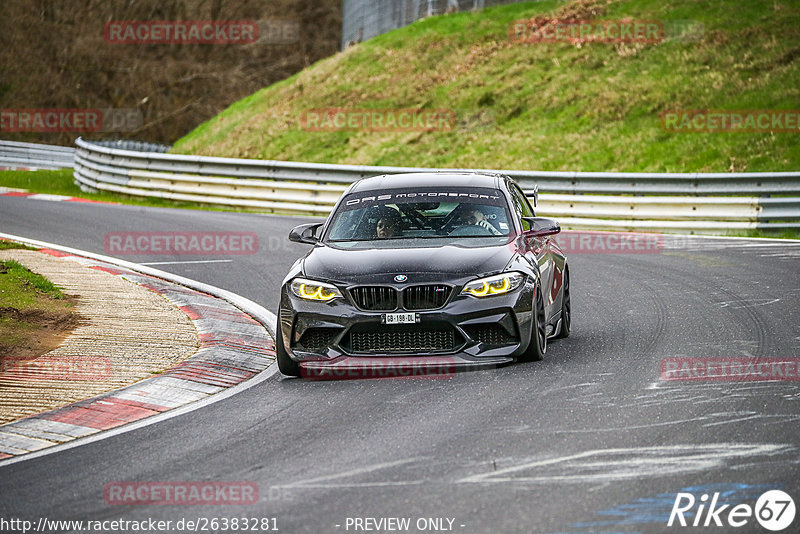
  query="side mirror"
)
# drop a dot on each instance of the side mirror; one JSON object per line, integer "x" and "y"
{"x": 305, "y": 233}
{"x": 541, "y": 226}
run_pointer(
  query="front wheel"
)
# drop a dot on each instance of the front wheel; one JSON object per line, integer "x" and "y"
{"x": 286, "y": 365}
{"x": 538, "y": 345}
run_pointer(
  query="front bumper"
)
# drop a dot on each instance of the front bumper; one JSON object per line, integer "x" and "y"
{"x": 466, "y": 333}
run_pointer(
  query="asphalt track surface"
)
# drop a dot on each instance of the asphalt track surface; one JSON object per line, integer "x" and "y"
{"x": 589, "y": 440}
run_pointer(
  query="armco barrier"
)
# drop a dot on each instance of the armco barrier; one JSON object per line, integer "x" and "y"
{"x": 15, "y": 155}
{"x": 687, "y": 202}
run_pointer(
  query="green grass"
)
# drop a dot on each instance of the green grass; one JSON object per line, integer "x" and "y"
{"x": 27, "y": 299}
{"x": 61, "y": 182}
{"x": 550, "y": 106}
{"x": 6, "y": 245}
{"x": 21, "y": 288}
{"x": 773, "y": 234}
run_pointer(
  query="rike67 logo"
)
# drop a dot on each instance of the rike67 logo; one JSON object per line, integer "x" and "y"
{"x": 774, "y": 510}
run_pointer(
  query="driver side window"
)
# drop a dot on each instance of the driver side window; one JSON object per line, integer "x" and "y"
{"x": 521, "y": 206}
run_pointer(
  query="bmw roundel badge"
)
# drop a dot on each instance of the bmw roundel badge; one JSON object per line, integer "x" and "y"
{"x": 400, "y": 278}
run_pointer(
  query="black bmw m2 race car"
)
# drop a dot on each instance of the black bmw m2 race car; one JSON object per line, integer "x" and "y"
{"x": 451, "y": 270}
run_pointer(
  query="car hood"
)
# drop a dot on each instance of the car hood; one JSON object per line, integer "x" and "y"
{"x": 420, "y": 264}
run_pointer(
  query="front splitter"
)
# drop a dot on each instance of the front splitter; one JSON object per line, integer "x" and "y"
{"x": 396, "y": 367}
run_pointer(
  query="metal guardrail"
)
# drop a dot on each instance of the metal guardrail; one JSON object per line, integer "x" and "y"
{"x": 364, "y": 19}
{"x": 694, "y": 202}
{"x": 138, "y": 146}
{"x": 31, "y": 156}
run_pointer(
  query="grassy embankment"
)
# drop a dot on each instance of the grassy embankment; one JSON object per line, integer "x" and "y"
{"x": 545, "y": 106}
{"x": 35, "y": 315}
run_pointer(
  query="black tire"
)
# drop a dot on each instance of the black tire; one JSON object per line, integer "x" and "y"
{"x": 286, "y": 365}
{"x": 538, "y": 345}
{"x": 566, "y": 308}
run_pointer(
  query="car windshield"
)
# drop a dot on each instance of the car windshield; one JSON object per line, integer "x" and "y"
{"x": 420, "y": 214}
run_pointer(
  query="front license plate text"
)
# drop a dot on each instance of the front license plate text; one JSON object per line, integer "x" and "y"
{"x": 399, "y": 318}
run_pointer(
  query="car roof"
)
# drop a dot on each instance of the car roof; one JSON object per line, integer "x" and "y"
{"x": 427, "y": 179}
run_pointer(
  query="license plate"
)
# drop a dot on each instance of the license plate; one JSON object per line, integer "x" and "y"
{"x": 399, "y": 318}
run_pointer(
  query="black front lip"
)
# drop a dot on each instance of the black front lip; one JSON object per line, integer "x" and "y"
{"x": 513, "y": 310}
{"x": 400, "y": 367}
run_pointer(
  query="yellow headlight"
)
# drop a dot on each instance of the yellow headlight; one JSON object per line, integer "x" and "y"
{"x": 478, "y": 291}
{"x": 501, "y": 286}
{"x": 311, "y": 290}
{"x": 494, "y": 285}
